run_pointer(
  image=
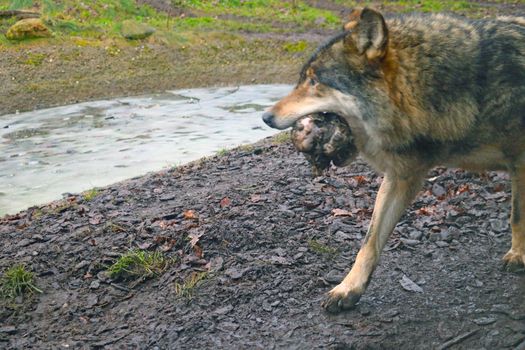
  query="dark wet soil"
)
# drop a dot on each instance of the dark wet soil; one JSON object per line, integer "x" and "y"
{"x": 272, "y": 244}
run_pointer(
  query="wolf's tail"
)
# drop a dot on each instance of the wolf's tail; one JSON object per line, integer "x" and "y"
{"x": 512, "y": 19}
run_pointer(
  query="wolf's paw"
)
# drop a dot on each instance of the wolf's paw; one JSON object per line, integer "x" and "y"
{"x": 514, "y": 261}
{"x": 340, "y": 298}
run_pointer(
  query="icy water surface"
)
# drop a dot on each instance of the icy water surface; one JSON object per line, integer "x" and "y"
{"x": 46, "y": 153}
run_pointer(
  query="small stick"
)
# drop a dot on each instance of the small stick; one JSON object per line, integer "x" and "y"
{"x": 18, "y": 13}
{"x": 457, "y": 339}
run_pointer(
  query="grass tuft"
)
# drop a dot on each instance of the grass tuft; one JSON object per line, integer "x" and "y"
{"x": 90, "y": 194}
{"x": 138, "y": 264}
{"x": 320, "y": 248}
{"x": 17, "y": 281}
{"x": 223, "y": 152}
{"x": 187, "y": 288}
{"x": 282, "y": 137}
{"x": 296, "y": 47}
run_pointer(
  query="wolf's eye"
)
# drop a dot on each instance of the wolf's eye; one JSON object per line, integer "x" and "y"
{"x": 313, "y": 81}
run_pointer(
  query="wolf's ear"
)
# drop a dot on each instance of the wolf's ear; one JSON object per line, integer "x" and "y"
{"x": 369, "y": 33}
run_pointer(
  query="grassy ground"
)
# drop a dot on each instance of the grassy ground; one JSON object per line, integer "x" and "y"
{"x": 196, "y": 43}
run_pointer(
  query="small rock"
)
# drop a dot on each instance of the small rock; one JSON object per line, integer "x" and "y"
{"x": 445, "y": 236}
{"x": 216, "y": 264}
{"x": 334, "y": 277}
{"x": 454, "y": 232}
{"x": 223, "y": 310}
{"x": 24, "y": 243}
{"x": 428, "y": 253}
{"x": 234, "y": 273}
{"x": 410, "y": 242}
{"x": 478, "y": 283}
{"x": 167, "y": 197}
{"x": 95, "y": 284}
{"x": 266, "y": 307}
{"x": 435, "y": 236}
{"x": 438, "y": 190}
{"x": 92, "y": 300}
{"x": 441, "y": 244}
{"x": 133, "y": 30}
{"x": 8, "y": 329}
{"x": 81, "y": 264}
{"x": 416, "y": 235}
{"x": 410, "y": 285}
{"x": 103, "y": 276}
{"x": 365, "y": 311}
{"x": 228, "y": 326}
{"x": 342, "y": 237}
{"x": 279, "y": 260}
{"x": 28, "y": 28}
{"x": 499, "y": 225}
{"x": 484, "y": 321}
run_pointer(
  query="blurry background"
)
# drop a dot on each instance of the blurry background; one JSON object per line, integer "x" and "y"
{"x": 179, "y": 44}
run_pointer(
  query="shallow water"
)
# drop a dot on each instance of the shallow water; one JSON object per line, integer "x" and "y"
{"x": 48, "y": 152}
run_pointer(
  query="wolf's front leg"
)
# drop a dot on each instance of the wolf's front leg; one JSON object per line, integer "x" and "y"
{"x": 515, "y": 258}
{"x": 394, "y": 195}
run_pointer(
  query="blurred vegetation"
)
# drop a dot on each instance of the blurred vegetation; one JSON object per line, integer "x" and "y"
{"x": 177, "y": 20}
{"x": 102, "y": 18}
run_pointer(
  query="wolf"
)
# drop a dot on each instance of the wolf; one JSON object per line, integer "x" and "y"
{"x": 418, "y": 91}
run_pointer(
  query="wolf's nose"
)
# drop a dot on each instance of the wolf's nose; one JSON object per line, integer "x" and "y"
{"x": 268, "y": 118}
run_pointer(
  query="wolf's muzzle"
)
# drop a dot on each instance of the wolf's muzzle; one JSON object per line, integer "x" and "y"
{"x": 268, "y": 118}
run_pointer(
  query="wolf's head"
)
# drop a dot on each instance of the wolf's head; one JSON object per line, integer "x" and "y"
{"x": 339, "y": 76}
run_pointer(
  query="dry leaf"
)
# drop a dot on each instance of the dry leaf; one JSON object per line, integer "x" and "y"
{"x": 168, "y": 245}
{"x": 256, "y": 198}
{"x": 191, "y": 215}
{"x": 198, "y": 251}
{"x": 341, "y": 212}
{"x": 195, "y": 238}
{"x": 225, "y": 202}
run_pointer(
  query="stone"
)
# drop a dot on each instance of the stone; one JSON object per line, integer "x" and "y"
{"x": 133, "y": 30}
{"x": 28, "y": 28}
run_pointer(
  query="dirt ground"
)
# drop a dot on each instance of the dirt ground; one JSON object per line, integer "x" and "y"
{"x": 271, "y": 244}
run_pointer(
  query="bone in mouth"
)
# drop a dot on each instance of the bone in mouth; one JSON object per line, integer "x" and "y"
{"x": 324, "y": 138}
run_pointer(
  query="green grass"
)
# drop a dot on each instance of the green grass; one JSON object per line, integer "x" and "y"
{"x": 436, "y": 6}
{"x": 187, "y": 288}
{"x": 223, "y": 152}
{"x": 93, "y": 18}
{"x": 103, "y": 18}
{"x": 299, "y": 46}
{"x": 297, "y": 12}
{"x": 34, "y": 59}
{"x": 16, "y": 281}
{"x": 282, "y": 137}
{"x": 320, "y": 248}
{"x": 89, "y": 195}
{"x": 137, "y": 264}
{"x": 246, "y": 148}
{"x": 418, "y": 5}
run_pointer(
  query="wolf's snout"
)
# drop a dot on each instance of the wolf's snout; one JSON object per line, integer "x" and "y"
{"x": 268, "y": 118}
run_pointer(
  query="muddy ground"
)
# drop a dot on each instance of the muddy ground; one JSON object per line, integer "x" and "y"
{"x": 269, "y": 241}
{"x": 271, "y": 244}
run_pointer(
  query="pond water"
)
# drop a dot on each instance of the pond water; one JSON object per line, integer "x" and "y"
{"x": 48, "y": 152}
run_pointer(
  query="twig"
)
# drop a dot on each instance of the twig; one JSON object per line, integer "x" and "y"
{"x": 118, "y": 286}
{"x": 457, "y": 339}
{"x": 19, "y": 14}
